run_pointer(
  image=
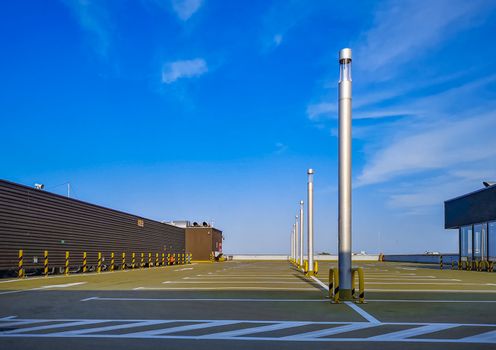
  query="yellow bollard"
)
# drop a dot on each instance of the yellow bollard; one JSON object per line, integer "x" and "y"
{"x": 361, "y": 284}
{"x": 45, "y": 264}
{"x": 20, "y": 268}
{"x": 133, "y": 260}
{"x": 99, "y": 263}
{"x": 123, "y": 267}
{"x": 182, "y": 258}
{"x": 156, "y": 259}
{"x": 334, "y": 285}
{"x": 149, "y": 259}
{"x": 441, "y": 262}
{"x": 85, "y": 266}
{"x": 163, "y": 259}
{"x": 315, "y": 267}
{"x": 66, "y": 271}
{"x": 112, "y": 261}
{"x": 142, "y": 260}
{"x": 174, "y": 261}
{"x": 168, "y": 259}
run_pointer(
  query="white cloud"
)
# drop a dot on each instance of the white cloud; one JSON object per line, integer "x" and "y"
{"x": 92, "y": 17}
{"x": 407, "y": 29}
{"x": 183, "y": 69}
{"x": 186, "y": 8}
{"x": 280, "y": 148}
{"x": 439, "y": 146}
{"x": 277, "y": 39}
{"x": 322, "y": 110}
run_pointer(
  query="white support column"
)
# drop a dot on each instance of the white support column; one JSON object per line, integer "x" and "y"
{"x": 310, "y": 219}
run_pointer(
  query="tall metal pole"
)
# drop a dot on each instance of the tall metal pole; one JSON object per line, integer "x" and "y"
{"x": 301, "y": 233}
{"x": 310, "y": 220}
{"x": 344, "y": 221}
{"x": 297, "y": 235}
{"x": 293, "y": 237}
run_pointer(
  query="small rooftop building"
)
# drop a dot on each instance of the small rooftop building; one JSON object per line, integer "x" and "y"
{"x": 203, "y": 241}
{"x": 474, "y": 216}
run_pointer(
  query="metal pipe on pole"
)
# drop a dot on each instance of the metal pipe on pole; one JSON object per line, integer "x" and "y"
{"x": 301, "y": 233}
{"x": 310, "y": 220}
{"x": 344, "y": 219}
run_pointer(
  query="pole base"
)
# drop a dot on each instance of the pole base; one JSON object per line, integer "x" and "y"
{"x": 345, "y": 295}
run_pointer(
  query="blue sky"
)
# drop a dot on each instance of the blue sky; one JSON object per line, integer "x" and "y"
{"x": 213, "y": 110}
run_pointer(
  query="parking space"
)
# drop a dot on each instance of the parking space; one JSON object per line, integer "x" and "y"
{"x": 251, "y": 305}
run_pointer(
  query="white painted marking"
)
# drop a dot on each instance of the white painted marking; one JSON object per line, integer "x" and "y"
{"x": 428, "y": 301}
{"x": 53, "y": 326}
{"x": 233, "y": 282}
{"x": 90, "y": 298}
{"x": 413, "y": 332}
{"x": 181, "y": 328}
{"x": 110, "y": 328}
{"x": 323, "y": 285}
{"x": 63, "y": 285}
{"x": 362, "y": 312}
{"x": 252, "y": 330}
{"x": 184, "y": 269}
{"x": 489, "y": 337}
{"x": 207, "y": 299}
{"x": 488, "y": 291}
{"x": 309, "y": 289}
{"x": 331, "y": 331}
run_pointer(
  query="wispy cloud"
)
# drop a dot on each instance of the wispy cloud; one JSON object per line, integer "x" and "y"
{"x": 93, "y": 19}
{"x": 184, "y": 9}
{"x": 280, "y": 148}
{"x": 404, "y": 30}
{"x": 173, "y": 71}
{"x": 439, "y": 146}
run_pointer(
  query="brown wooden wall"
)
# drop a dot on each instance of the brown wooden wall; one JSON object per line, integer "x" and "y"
{"x": 35, "y": 221}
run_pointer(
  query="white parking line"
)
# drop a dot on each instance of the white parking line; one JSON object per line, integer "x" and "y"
{"x": 254, "y": 300}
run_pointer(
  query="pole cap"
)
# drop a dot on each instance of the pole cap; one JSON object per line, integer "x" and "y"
{"x": 301, "y": 202}
{"x": 310, "y": 171}
{"x": 345, "y": 55}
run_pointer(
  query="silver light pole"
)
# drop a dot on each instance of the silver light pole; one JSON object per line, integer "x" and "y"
{"x": 344, "y": 220}
{"x": 310, "y": 220}
{"x": 301, "y": 233}
{"x": 297, "y": 235}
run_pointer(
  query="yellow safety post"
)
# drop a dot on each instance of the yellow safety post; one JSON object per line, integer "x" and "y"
{"x": 174, "y": 261}
{"x": 491, "y": 266}
{"x": 142, "y": 260}
{"x": 99, "y": 263}
{"x": 168, "y": 259}
{"x": 45, "y": 264}
{"x": 20, "y": 268}
{"x": 315, "y": 267}
{"x": 112, "y": 261}
{"x": 484, "y": 265}
{"x": 133, "y": 260}
{"x": 66, "y": 271}
{"x": 190, "y": 257}
{"x": 361, "y": 285}
{"x": 123, "y": 267}
{"x": 85, "y": 266}
{"x": 149, "y": 259}
{"x": 334, "y": 285}
{"x": 156, "y": 259}
{"x": 163, "y": 259}
{"x": 183, "y": 259}
{"x": 305, "y": 267}
{"x": 441, "y": 262}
